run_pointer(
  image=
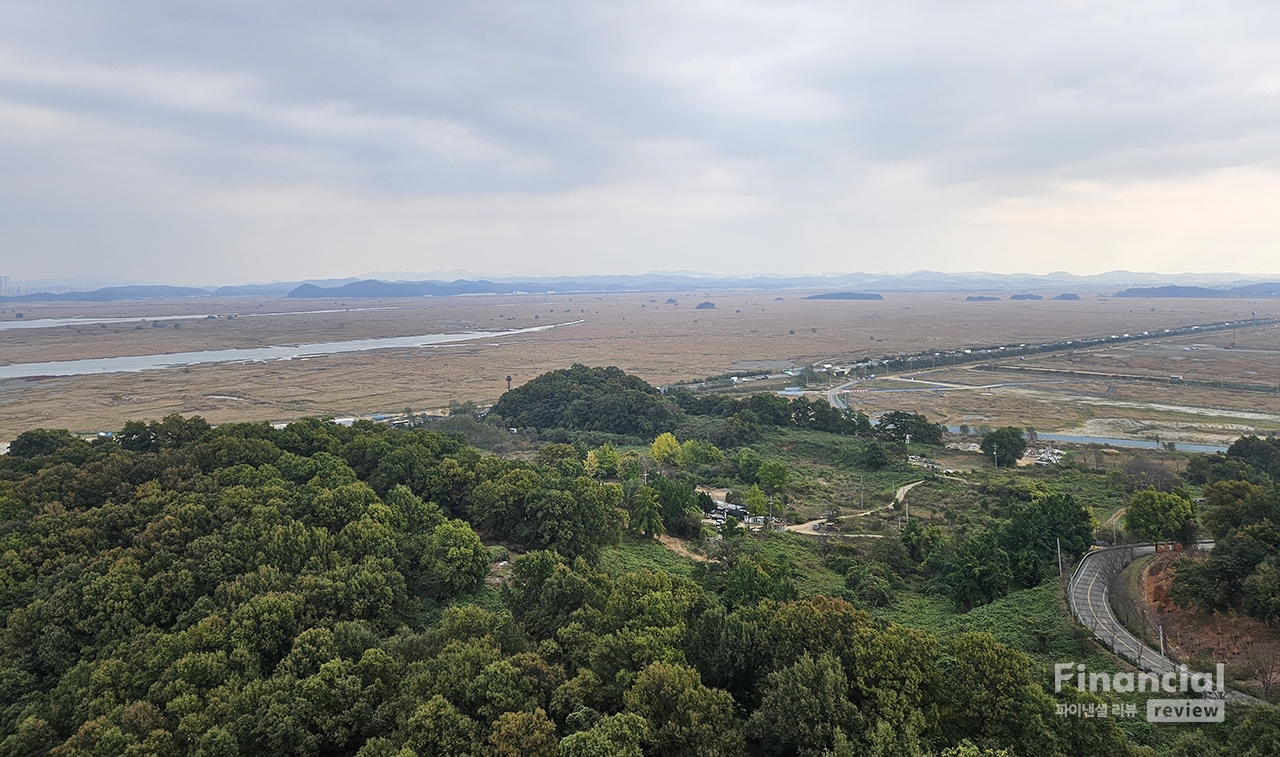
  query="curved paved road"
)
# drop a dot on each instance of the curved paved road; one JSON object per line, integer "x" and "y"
{"x": 833, "y": 395}
{"x": 1087, "y": 593}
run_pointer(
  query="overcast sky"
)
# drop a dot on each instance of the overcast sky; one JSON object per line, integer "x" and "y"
{"x": 219, "y": 141}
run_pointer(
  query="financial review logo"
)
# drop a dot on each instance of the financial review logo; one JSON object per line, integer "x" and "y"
{"x": 1209, "y": 707}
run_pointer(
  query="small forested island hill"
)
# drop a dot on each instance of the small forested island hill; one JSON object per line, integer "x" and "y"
{"x": 595, "y": 567}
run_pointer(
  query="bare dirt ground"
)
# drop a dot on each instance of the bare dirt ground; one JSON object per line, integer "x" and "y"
{"x": 681, "y": 547}
{"x": 641, "y": 333}
{"x": 1251, "y": 648}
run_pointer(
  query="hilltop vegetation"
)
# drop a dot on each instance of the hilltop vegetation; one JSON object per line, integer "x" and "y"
{"x": 588, "y": 399}
{"x": 187, "y": 590}
{"x": 180, "y": 589}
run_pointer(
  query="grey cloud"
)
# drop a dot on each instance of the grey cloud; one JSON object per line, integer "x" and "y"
{"x": 120, "y": 121}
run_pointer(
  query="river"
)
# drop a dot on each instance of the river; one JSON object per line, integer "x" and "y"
{"x": 135, "y": 363}
{"x": 1136, "y": 443}
{"x": 53, "y": 323}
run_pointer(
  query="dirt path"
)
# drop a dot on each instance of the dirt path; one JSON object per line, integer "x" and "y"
{"x": 874, "y": 510}
{"x": 680, "y": 548}
{"x": 807, "y": 529}
{"x": 898, "y": 496}
{"x": 901, "y": 494}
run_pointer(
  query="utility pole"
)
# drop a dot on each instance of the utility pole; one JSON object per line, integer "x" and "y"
{"x": 1161, "y": 640}
{"x": 995, "y": 453}
{"x": 1059, "y": 557}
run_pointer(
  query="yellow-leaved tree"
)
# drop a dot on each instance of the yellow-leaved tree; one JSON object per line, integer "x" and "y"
{"x": 665, "y": 449}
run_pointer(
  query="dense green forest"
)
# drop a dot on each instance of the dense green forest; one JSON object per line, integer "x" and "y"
{"x": 179, "y": 589}
{"x": 609, "y": 401}
{"x": 1242, "y": 516}
{"x": 590, "y": 399}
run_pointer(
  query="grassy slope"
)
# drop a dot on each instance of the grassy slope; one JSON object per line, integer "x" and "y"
{"x": 827, "y": 471}
{"x": 1035, "y": 622}
{"x": 639, "y": 553}
{"x": 804, "y": 555}
{"x": 1031, "y": 621}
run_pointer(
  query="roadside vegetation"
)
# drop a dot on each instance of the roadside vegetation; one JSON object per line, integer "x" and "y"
{"x": 1242, "y": 516}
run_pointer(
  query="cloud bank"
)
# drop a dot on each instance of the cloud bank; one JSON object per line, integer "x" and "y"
{"x": 210, "y": 143}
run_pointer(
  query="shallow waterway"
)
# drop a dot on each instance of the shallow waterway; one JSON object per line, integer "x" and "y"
{"x": 135, "y": 363}
{"x": 53, "y": 323}
{"x": 1115, "y": 442}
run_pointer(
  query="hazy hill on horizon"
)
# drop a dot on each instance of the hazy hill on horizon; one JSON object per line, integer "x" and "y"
{"x": 1128, "y": 283}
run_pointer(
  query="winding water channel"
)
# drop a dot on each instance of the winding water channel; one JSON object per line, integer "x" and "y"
{"x": 76, "y": 321}
{"x": 135, "y": 363}
{"x": 1115, "y": 442}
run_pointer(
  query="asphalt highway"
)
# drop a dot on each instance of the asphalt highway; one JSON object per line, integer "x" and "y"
{"x": 833, "y": 395}
{"x": 1088, "y": 594}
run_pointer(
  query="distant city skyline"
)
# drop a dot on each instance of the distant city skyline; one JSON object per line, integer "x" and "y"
{"x": 225, "y": 144}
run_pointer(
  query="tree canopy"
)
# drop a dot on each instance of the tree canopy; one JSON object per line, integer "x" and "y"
{"x": 900, "y": 424}
{"x": 1005, "y": 446}
{"x": 1242, "y": 506}
{"x": 588, "y": 399}
{"x": 746, "y": 415}
{"x": 1153, "y": 515}
{"x": 324, "y": 590}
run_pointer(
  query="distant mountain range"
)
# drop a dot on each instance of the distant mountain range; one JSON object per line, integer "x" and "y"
{"x": 836, "y": 286}
{"x": 161, "y": 291}
{"x": 108, "y": 294}
{"x": 1251, "y": 291}
{"x": 920, "y": 281}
